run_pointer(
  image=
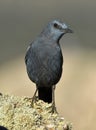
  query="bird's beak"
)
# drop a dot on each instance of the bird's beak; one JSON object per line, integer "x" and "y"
{"x": 68, "y": 30}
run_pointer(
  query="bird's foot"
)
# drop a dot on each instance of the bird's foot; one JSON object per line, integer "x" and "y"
{"x": 54, "y": 110}
{"x": 34, "y": 99}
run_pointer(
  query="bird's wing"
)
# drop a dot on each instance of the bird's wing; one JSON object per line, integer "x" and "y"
{"x": 32, "y": 63}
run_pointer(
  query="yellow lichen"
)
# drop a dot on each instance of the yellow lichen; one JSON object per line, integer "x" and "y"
{"x": 16, "y": 113}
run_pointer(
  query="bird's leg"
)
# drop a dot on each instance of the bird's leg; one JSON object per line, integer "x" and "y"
{"x": 34, "y": 98}
{"x": 53, "y": 100}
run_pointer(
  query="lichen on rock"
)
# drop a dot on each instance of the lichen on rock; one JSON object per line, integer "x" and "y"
{"x": 16, "y": 113}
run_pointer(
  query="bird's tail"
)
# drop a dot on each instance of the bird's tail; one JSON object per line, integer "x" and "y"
{"x": 45, "y": 94}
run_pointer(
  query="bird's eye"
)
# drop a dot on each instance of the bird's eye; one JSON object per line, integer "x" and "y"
{"x": 56, "y": 25}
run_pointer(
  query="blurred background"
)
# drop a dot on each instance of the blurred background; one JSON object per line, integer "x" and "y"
{"x": 21, "y": 21}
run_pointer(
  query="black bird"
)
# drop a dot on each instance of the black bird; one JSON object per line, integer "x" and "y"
{"x": 3, "y": 128}
{"x": 44, "y": 60}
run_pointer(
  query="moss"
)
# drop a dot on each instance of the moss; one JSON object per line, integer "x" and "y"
{"x": 16, "y": 113}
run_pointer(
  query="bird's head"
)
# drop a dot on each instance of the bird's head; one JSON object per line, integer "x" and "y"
{"x": 56, "y": 29}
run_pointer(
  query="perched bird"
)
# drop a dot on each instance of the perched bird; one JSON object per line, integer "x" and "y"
{"x": 44, "y": 60}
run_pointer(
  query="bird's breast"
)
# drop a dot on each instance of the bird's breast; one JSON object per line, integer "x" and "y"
{"x": 51, "y": 64}
{"x": 44, "y": 64}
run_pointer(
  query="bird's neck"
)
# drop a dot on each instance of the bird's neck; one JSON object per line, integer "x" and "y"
{"x": 47, "y": 36}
